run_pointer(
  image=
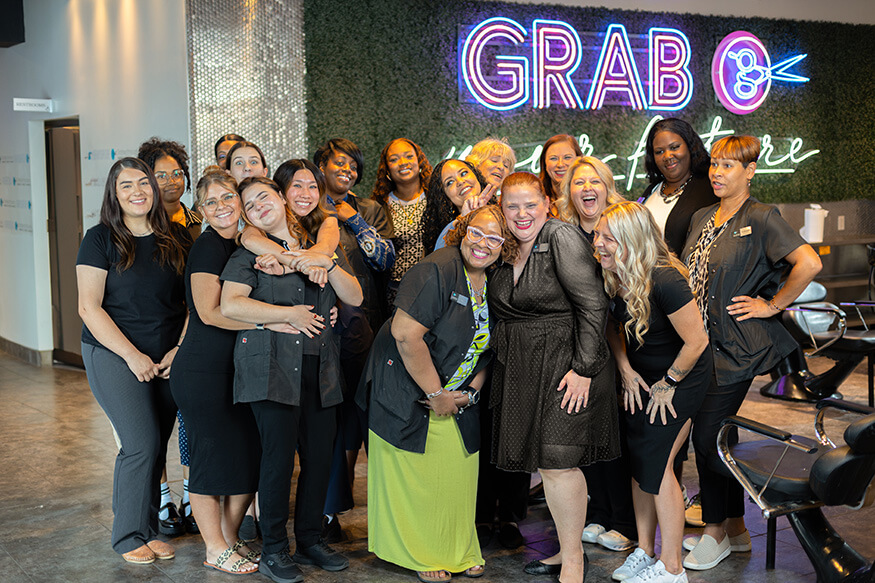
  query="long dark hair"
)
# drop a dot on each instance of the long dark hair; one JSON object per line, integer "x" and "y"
{"x": 168, "y": 250}
{"x": 699, "y": 158}
{"x": 439, "y": 214}
{"x": 284, "y": 176}
{"x": 384, "y": 184}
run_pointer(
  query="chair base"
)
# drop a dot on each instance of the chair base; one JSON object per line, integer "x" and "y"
{"x": 833, "y": 559}
{"x": 798, "y": 386}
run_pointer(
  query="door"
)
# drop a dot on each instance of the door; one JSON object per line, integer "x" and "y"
{"x": 65, "y": 234}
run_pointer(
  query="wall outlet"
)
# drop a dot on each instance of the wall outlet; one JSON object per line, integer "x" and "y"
{"x": 841, "y": 223}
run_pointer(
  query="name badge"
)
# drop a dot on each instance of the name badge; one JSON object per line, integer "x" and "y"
{"x": 459, "y": 299}
{"x": 743, "y": 232}
{"x": 541, "y": 248}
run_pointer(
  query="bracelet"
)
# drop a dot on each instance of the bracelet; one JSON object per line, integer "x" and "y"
{"x": 774, "y": 305}
{"x": 333, "y": 266}
{"x": 431, "y": 396}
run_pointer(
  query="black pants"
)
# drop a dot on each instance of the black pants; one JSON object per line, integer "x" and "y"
{"x": 508, "y": 490}
{"x": 722, "y": 497}
{"x": 310, "y": 428}
{"x": 609, "y": 485}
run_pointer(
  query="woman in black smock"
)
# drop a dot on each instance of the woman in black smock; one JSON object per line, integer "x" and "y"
{"x": 553, "y": 386}
{"x": 658, "y": 338}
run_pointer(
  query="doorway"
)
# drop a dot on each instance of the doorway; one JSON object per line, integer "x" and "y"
{"x": 65, "y": 233}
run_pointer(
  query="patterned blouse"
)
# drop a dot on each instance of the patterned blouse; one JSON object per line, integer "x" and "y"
{"x": 407, "y": 221}
{"x": 480, "y": 342}
{"x": 698, "y": 264}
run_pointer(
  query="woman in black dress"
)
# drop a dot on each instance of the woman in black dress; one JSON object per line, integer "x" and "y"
{"x": 132, "y": 302}
{"x": 676, "y": 162}
{"x": 223, "y": 439}
{"x": 553, "y": 382}
{"x": 658, "y": 338}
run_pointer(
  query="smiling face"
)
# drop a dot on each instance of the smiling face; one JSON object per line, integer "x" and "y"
{"x": 340, "y": 171}
{"x": 245, "y": 163}
{"x": 303, "y": 193}
{"x": 672, "y": 157}
{"x": 589, "y": 193}
{"x": 606, "y": 246}
{"x": 458, "y": 182}
{"x": 479, "y": 255}
{"x": 264, "y": 207}
{"x": 525, "y": 210}
{"x": 134, "y": 193}
{"x": 170, "y": 179}
{"x": 402, "y": 162}
{"x": 557, "y": 160}
{"x": 729, "y": 178}
{"x": 495, "y": 169}
{"x": 221, "y": 207}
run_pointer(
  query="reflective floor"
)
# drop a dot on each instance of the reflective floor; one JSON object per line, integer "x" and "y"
{"x": 56, "y": 460}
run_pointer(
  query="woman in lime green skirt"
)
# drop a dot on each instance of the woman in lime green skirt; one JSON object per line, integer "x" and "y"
{"x": 421, "y": 386}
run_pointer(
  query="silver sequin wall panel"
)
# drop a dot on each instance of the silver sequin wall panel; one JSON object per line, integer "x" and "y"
{"x": 246, "y": 76}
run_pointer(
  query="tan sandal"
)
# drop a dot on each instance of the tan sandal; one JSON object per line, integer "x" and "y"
{"x": 235, "y": 569}
{"x": 442, "y": 576}
{"x": 475, "y": 571}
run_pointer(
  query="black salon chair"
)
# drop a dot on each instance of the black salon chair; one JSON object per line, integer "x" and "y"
{"x": 794, "y": 476}
{"x": 822, "y": 328}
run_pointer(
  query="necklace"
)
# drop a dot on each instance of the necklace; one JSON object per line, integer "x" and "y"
{"x": 478, "y": 292}
{"x": 669, "y": 198}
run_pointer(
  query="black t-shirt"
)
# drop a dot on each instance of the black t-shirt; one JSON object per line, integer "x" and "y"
{"x": 670, "y": 292}
{"x": 145, "y": 301}
{"x": 206, "y": 347}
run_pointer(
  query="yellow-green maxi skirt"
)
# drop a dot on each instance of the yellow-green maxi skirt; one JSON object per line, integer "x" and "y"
{"x": 421, "y": 506}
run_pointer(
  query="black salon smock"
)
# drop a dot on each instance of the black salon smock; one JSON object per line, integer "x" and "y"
{"x": 434, "y": 292}
{"x": 746, "y": 260}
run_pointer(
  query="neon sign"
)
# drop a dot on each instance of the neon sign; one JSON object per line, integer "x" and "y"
{"x": 742, "y": 73}
{"x": 780, "y": 158}
{"x": 503, "y": 67}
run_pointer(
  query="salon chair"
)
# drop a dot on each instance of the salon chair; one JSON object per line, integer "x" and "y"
{"x": 822, "y": 328}
{"x": 793, "y": 476}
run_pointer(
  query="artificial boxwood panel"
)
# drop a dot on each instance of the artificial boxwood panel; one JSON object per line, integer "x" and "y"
{"x": 378, "y": 70}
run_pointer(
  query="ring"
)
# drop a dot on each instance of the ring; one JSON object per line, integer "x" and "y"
{"x": 580, "y": 398}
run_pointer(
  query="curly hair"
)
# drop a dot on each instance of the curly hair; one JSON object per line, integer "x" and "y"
{"x": 544, "y": 177}
{"x": 640, "y": 249}
{"x": 509, "y": 250}
{"x": 567, "y": 210}
{"x": 284, "y": 176}
{"x": 168, "y": 249}
{"x": 699, "y": 158}
{"x": 384, "y": 183}
{"x": 438, "y": 215}
{"x": 155, "y": 148}
{"x": 294, "y": 226}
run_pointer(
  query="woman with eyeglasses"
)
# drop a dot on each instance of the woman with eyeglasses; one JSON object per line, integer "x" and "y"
{"x": 129, "y": 273}
{"x": 169, "y": 162}
{"x": 421, "y": 385}
{"x": 223, "y": 440}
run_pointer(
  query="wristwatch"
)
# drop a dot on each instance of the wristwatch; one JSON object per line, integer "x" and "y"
{"x": 670, "y": 381}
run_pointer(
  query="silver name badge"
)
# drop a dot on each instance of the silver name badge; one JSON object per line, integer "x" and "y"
{"x": 743, "y": 232}
{"x": 459, "y": 299}
{"x": 541, "y": 248}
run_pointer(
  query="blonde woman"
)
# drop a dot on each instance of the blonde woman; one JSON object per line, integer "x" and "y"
{"x": 585, "y": 191}
{"x": 659, "y": 342}
{"x": 494, "y": 159}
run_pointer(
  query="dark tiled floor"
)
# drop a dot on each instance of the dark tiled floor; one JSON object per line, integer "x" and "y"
{"x": 57, "y": 452}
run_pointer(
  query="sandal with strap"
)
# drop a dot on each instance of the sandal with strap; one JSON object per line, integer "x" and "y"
{"x": 442, "y": 576}
{"x": 475, "y": 571}
{"x": 219, "y": 565}
{"x": 251, "y": 555}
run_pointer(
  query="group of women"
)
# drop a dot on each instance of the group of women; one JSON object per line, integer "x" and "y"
{"x": 551, "y": 296}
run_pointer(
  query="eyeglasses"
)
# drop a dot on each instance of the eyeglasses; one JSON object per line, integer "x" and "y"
{"x": 212, "y": 204}
{"x": 475, "y": 235}
{"x": 163, "y": 177}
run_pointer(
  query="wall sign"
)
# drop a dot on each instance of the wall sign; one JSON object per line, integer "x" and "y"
{"x": 504, "y": 66}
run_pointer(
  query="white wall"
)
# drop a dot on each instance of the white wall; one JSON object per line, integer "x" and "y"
{"x": 121, "y": 67}
{"x": 849, "y": 11}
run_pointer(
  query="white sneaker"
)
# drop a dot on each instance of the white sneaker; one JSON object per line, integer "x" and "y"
{"x": 739, "y": 543}
{"x": 591, "y": 533}
{"x": 615, "y": 541}
{"x": 656, "y": 573}
{"x": 635, "y": 563}
{"x": 693, "y": 512}
{"x": 707, "y": 554}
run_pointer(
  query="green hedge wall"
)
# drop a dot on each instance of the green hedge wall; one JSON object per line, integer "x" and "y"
{"x": 378, "y": 70}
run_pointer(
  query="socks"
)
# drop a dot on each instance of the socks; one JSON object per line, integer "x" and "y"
{"x": 185, "y": 502}
{"x": 164, "y": 514}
